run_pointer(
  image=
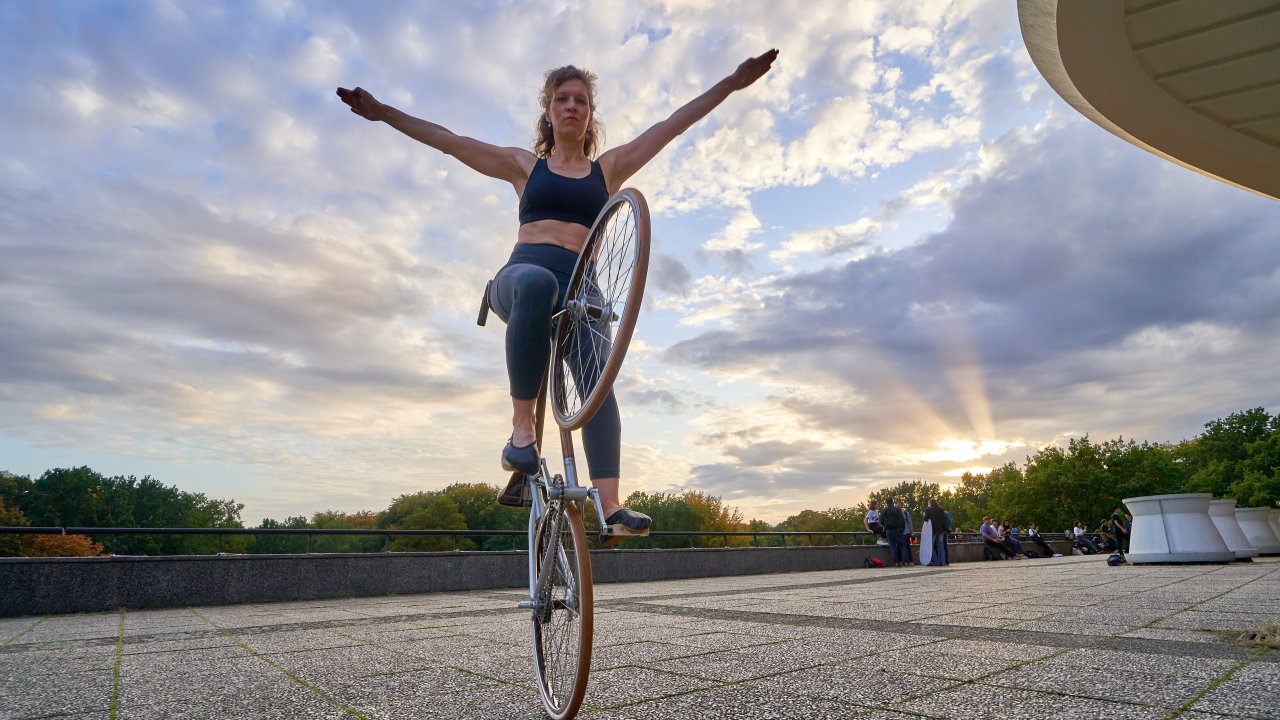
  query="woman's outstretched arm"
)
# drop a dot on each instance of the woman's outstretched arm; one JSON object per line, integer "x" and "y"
{"x": 620, "y": 163}
{"x": 504, "y": 163}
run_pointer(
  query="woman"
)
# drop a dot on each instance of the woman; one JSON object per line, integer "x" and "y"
{"x": 1033, "y": 532}
{"x": 1010, "y": 538}
{"x": 561, "y": 190}
{"x": 871, "y": 521}
{"x": 1083, "y": 541}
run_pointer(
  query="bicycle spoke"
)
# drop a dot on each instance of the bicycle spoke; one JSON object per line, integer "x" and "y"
{"x": 562, "y": 624}
{"x": 609, "y": 277}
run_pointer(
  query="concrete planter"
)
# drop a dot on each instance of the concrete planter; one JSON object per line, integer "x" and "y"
{"x": 1223, "y": 513}
{"x": 1254, "y": 523}
{"x": 1175, "y": 529}
{"x": 1274, "y": 520}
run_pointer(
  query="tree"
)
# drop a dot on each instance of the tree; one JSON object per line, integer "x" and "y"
{"x": 336, "y": 520}
{"x": 1077, "y": 484}
{"x": 64, "y": 546}
{"x": 1259, "y": 484}
{"x": 423, "y": 511}
{"x": 15, "y": 490}
{"x": 280, "y": 544}
{"x": 480, "y": 511}
{"x": 970, "y": 500}
{"x": 1216, "y": 458}
{"x": 14, "y": 545}
{"x": 914, "y": 496}
{"x": 690, "y": 510}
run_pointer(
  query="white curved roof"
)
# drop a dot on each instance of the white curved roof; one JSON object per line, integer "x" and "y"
{"x": 1194, "y": 81}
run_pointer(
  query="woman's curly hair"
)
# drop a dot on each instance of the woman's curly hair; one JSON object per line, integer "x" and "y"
{"x": 544, "y": 140}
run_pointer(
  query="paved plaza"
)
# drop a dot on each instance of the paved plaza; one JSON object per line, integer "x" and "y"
{"x": 1016, "y": 640}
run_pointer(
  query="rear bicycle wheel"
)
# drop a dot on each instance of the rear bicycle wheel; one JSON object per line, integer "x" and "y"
{"x": 562, "y": 617}
{"x": 594, "y": 329}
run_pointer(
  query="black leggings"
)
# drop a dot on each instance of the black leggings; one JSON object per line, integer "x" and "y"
{"x": 525, "y": 293}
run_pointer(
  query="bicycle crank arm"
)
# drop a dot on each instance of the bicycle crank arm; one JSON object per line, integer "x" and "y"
{"x": 595, "y": 501}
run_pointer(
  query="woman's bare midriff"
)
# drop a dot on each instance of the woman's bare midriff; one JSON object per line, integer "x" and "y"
{"x": 567, "y": 235}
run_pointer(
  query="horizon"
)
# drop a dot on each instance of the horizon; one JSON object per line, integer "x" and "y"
{"x": 899, "y": 256}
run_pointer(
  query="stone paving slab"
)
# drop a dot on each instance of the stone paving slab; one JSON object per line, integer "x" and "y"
{"x": 1062, "y": 638}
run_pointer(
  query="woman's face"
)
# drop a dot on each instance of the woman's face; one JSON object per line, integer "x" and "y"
{"x": 570, "y": 109}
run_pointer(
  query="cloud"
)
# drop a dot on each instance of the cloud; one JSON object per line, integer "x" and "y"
{"x": 1081, "y": 283}
{"x": 208, "y": 260}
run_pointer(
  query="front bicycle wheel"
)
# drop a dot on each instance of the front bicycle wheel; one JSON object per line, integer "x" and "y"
{"x": 562, "y": 614}
{"x": 594, "y": 329}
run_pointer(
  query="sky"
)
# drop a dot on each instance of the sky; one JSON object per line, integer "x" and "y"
{"x": 899, "y": 256}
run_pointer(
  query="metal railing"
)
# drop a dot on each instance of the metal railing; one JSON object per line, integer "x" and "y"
{"x": 518, "y": 537}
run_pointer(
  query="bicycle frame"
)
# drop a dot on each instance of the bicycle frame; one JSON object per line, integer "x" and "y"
{"x": 548, "y": 492}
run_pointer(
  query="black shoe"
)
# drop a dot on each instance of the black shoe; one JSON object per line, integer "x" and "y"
{"x": 521, "y": 459}
{"x": 622, "y": 524}
{"x": 517, "y": 493}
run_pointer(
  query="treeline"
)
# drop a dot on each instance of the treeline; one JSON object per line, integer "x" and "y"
{"x": 80, "y": 497}
{"x": 1237, "y": 456}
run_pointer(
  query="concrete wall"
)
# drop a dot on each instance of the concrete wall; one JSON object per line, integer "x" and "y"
{"x": 40, "y": 586}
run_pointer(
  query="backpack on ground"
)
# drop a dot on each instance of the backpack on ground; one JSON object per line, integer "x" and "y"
{"x": 873, "y": 562}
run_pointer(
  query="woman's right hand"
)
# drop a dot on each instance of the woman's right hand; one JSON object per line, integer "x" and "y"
{"x": 752, "y": 69}
{"x": 362, "y": 103}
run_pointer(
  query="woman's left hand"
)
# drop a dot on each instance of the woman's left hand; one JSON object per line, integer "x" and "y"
{"x": 752, "y": 69}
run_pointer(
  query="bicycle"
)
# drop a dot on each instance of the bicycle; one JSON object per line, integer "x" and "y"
{"x": 590, "y": 337}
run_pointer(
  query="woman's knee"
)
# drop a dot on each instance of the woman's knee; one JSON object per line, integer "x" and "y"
{"x": 537, "y": 288}
{"x": 521, "y": 287}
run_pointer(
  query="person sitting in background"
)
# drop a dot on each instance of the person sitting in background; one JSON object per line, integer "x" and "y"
{"x": 1033, "y": 533}
{"x": 992, "y": 540}
{"x": 1082, "y": 541}
{"x": 872, "y": 523}
{"x": 1010, "y": 537}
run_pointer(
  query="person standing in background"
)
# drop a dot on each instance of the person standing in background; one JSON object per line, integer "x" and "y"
{"x": 909, "y": 530}
{"x": 935, "y": 516}
{"x": 1120, "y": 528}
{"x": 894, "y": 523}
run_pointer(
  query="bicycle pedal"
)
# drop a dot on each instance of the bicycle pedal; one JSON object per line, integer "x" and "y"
{"x": 616, "y": 533}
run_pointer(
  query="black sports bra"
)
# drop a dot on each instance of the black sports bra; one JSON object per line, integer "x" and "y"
{"x": 549, "y": 196}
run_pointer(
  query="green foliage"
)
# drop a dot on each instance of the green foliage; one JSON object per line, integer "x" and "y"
{"x": 1237, "y": 456}
{"x": 480, "y": 511}
{"x": 336, "y": 520}
{"x": 80, "y": 497}
{"x": 1259, "y": 484}
{"x": 832, "y": 520}
{"x": 424, "y": 511}
{"x": 281, "y": 544}
{"x": 13, "y": 545}
{"x": 914, "y": 496}
{"x": 970, "y": 500}
{"x": 690, "y": 510}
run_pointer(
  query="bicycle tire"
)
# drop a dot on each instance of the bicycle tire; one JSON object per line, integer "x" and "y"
{"x": 603, "y": 301}
{"x": 562, "y": 624}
